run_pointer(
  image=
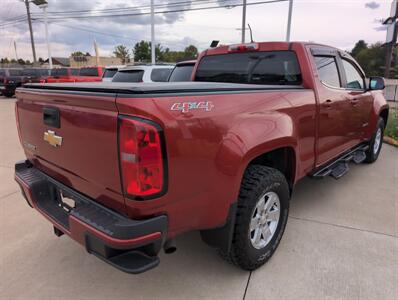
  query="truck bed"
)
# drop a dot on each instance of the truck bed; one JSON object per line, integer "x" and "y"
{"x": 158, "y": 87}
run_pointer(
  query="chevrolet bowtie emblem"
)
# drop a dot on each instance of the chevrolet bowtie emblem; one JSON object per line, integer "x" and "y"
{"x": 53, "y": 139}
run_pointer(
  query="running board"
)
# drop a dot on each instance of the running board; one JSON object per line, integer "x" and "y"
{"x": 339, "y": 167}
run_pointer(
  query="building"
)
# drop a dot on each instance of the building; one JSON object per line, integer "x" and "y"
{"x": 86, "y": 60}
{"x": 58, "y": 62}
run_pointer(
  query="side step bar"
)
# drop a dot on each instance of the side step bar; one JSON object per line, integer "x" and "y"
{"x": 339, "y": 167}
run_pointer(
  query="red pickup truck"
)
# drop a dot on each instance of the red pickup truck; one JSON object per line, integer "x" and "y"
{"x": 124, "y": 168}
{"x": 63, "y": 75}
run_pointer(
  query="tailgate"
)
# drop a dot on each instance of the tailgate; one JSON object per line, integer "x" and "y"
{"x": 82, "y": 150}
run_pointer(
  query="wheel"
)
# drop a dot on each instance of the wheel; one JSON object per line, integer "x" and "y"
{"x": 8, "y": 94}
{"x": 375, "y": 143}
{"x": 262, "y": 213}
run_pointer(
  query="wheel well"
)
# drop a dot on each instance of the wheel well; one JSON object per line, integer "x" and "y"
{"x": 384, "y": 115}
{"x": 282, "y": 159}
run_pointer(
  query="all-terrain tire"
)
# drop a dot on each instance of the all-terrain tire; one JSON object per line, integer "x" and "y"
{"x": 376, "y": 142}
{"x": 257, "y": 181}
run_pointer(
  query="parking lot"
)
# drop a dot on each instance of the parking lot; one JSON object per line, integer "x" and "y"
{"x": 341, "y": 242}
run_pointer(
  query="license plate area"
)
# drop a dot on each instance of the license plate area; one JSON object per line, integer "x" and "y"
{"x": 65, "y": 202}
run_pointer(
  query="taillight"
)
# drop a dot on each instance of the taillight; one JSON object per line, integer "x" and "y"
{"x": 243, "y": 47}
{"x": 142, "y": 158}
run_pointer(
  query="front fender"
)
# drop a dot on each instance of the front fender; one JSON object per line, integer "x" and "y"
{"x": 379, "y": 104}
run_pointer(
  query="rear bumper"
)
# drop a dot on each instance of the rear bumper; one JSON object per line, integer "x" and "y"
{"x": 129, "y": 245}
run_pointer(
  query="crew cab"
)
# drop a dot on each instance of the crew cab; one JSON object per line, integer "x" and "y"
{"x": 63, "y": 75}
{"x": 90, "y": 74}
{"x": 124, "y": 168}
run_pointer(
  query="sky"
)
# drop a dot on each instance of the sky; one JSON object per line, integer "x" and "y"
{"x": 340, "y": 23}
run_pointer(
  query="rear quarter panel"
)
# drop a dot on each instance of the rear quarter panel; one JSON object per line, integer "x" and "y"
{"x": 208, "y": 151}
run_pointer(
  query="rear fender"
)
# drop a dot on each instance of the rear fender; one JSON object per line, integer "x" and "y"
{"x": 255, "y": 135}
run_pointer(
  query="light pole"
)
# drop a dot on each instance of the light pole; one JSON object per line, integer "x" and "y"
{"x": 289, "y": 21}
{"x": 153, "y": 53}
{"x": 44, "y": 7}
{"x": 244, "y": 21}
{"x": 30, "y": 30}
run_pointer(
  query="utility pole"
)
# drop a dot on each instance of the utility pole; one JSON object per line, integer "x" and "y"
{"x": 389, "y": 52}
{"x": 392, "y": 32}
{"x": 50, "y": 59}
{"x": 31, "y": 31}
{"x": 15, "y": 48}
{"x": 244, "y": 21}
{"x": 153, "y": 46}
{"x": 289, "y": 21}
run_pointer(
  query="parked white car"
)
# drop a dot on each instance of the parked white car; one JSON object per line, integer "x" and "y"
{"x": 110, "y": 71}
{"x": 143, "y": 73}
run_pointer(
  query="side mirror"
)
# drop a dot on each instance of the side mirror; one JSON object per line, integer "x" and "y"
{"x": 376, "y": 83}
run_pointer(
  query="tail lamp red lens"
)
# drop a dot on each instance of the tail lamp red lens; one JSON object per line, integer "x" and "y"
{"x": 141, "y": 157}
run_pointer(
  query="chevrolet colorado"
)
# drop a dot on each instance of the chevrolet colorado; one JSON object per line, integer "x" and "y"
{"x": 123, "y": 168}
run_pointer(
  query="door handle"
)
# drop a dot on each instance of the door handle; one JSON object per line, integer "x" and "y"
{"x": 354, "y": 101}
{"x": 328, "y": 103}
{"x": 51, "y": 117}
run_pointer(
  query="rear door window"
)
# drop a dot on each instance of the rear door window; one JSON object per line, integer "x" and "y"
{"x": 15, "y": 72}
{"x": 88, "y": 72}
{"x": 160, "y": 75}
{"x": 128, "y": 76}
{"x": 59, "y": 72}
{"x": 267, "y": 68}
{"x": 75, "y": 72}
{"x": 327, "y": 70}
{"x": 30, "y": 72}
{"x": 181, "y": 73}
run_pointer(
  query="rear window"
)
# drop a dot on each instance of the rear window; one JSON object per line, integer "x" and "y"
{"x": 269, "y": 68}
{"x": 15, "y": 72}
{"x": 88, "y": 72}
{"x": 109, "y": 73}
{"x": 160, "y": 75}
{"x": 128, "y": 76}
{"x": 59, "y": 72}
{"x": 181, "y": 73}
{"x": 30, "y": 72}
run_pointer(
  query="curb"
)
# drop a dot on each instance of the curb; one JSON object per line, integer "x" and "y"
{"x": 390, "y": 141}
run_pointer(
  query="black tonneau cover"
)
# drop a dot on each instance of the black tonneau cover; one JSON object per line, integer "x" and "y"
{"x": 156, "y": 88}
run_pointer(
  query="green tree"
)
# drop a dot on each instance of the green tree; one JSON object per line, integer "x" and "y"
{"x": 142, "y": 51}
{"x": 372, "y": 58}
{"x": 77, "y": 53}
{"x": 4, "y": 60}
{"x": 191, "y": 52}
{"x": 21, "y": 61}
{"x": 359, "y": 46}
{"x": 123, "y": 53}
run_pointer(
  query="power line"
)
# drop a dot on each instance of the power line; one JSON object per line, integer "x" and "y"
{"x": 162, "y": 12}
{"x": 15, "y": 22}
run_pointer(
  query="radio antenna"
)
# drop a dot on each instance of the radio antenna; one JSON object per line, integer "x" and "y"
{"x": 251, "y": 32}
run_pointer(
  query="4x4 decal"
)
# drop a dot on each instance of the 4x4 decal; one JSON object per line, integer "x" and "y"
{"x": 187, "y": 106}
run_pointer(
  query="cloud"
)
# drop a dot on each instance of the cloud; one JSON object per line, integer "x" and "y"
{"x": 372, "y": 5}
{"x": 381, "y": 28}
